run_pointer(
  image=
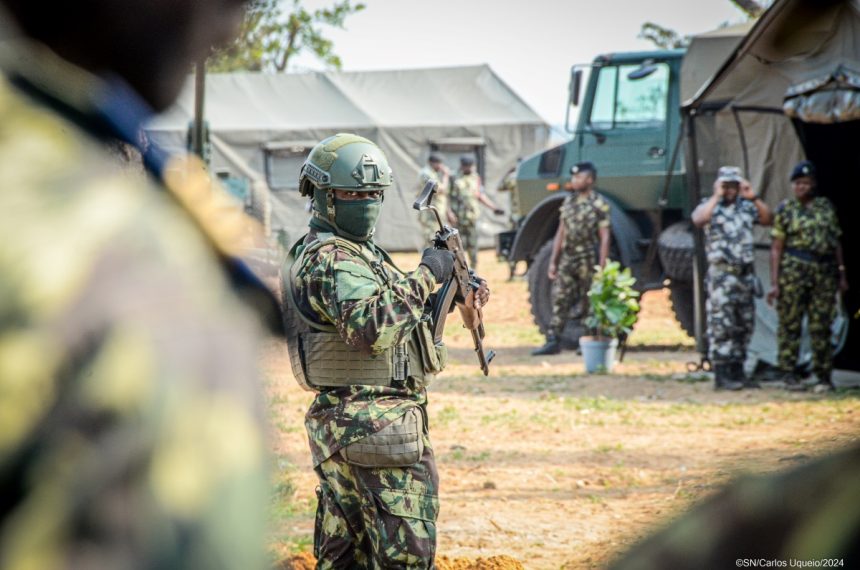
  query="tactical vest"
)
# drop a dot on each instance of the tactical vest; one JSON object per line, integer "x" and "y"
{"x": 321, "y": 359}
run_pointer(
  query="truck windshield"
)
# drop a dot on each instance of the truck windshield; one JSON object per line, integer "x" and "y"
{"x": 624, "y": 103}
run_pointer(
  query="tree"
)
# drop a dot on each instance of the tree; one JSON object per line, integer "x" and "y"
{"x": 270, "y": 37}
{"x": 666, "y": 38}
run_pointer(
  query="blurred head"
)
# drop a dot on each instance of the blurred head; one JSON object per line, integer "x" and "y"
{"x": 467, "y": 164}
{"x": 583, "y": 175}
{"x": 151, "y": 44}
{"x": 435, "y": 161}
{"x": 803, "y": 180}
{"x": 346, "y": 176}
{"x": 730, "y": 190}
{"x": 730, "y": 177}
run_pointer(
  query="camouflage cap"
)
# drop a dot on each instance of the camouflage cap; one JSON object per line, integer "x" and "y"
{"x": 729, "y": 174}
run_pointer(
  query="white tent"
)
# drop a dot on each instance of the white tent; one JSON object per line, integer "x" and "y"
{"x": 269, "y": 122}
{"x": 789, "y": 90}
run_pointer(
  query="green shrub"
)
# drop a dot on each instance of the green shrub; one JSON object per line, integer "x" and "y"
{"x": 613, "y": 302}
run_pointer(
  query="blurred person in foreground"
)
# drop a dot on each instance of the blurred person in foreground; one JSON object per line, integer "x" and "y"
{"x": 728, "y": 217}
{"x": 438, "y": 172}
{"x": 805, "y": 517}
{"x": 360, "y": 336}
{"x": 467, "y": 196}
{"x": 131, "y": 430}
{"x": 581, "y": 242}
{"x": 807, "y": 269}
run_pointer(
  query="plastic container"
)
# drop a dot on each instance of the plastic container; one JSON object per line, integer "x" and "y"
{"x": 598, "y": 353}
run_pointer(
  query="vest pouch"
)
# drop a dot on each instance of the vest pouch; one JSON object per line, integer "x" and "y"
{"x": 434, "y": 357}
{"x": 399, "y": 444}
{"x": 330, "y": 362}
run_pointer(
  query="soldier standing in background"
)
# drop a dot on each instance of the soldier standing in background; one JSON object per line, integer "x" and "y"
{"x": 438, "y": 173}
{"x": 131, "y": 420}
{"x": 368, "y": 350}
{"x": 467, "y": 197}
{"x": 581, "y": 242}
{"x": 729, "y": 215}
{"x": 807, "y": 268}
{"x": 508, "y": 184}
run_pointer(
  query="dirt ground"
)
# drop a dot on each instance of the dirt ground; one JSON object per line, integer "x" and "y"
{"x": 544, "y": 465}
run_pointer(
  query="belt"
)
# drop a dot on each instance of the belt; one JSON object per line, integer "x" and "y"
{"x": 734, "y": 268}
{"x": 810, "y": 256}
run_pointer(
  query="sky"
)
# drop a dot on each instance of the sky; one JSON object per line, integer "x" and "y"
{"x": 530, "y": 44}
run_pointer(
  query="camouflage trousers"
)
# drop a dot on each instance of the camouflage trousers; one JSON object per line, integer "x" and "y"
{"x": 730, "y": 313}
{"x": 570, "y": 288}
{"x": 376, "y": 518}
{"x": 469, "y": 237}
{"x": 806, "y": 288}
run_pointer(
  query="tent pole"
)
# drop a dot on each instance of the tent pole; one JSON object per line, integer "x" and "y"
{"x": 199, "y": 93}
{"x": 699, "y": 262}
{"x": 743, "y": 139}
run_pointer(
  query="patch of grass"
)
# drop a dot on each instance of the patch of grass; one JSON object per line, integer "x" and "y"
{"x": 445, "y": 416}
{"x": 607, "y": 448}
{"x": 598, "y": 404}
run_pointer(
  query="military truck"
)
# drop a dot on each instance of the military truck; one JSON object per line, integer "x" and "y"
{"x": 628, "y": 125}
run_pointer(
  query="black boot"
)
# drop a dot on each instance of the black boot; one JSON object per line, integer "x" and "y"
{"x": 824, "y": 384}
{"x": 552, "y": 346}
{"x": 736, "y": 372}
{"x": 723, "y": 379}
{"x": 793, "y": 383}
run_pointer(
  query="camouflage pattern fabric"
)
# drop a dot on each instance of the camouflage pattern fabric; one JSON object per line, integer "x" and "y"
{"x": 730, "y": 280}
{"x": 131, "y": 428}
{"x": 374, "y": 307}
{"x": 509, "y": 184}
{"x": 810, "y": 514}
{"x": 429, "y": 225}
{"x": 570, "y": 288}
{"x": 812, "y": 228}
{"x": 467, "y": 208}
{"x": 807, "y": 287}
{"x": 810, "y": 289}
{"x": 729, "y": 234}
{"x": 730, "y": 312}
{"x": 376, "y": 518}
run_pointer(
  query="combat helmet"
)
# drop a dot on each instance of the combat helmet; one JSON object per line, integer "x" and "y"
{"x": 345, "y": 162}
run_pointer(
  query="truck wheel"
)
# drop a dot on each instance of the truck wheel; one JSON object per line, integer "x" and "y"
{"x": 681, "y": 295}
{"x": 675, "y": 247}
{"x": 541, "y": 296}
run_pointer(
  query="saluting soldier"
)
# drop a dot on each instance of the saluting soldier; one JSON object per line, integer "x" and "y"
{"x": 807, "y": 269}
{"x": 581, "y": 242}
{"x": 728, "y": 216}
{"x": 131, "y": 425}
{"x": 360, "y": 336}
{"x": 467, "y": 196}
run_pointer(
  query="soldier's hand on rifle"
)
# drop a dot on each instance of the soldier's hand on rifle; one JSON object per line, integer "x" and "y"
{"x": 440, "y": 262}
{"x": 552, "y": 272}
{"x": 482, "y": 294}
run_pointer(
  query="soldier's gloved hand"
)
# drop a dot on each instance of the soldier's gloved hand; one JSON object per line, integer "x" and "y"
{"x": 440, "y": 262}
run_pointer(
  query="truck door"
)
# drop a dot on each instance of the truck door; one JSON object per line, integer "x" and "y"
{"x": 625, "y": 133}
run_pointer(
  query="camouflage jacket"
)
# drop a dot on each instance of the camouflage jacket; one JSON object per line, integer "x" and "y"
{"x": 371, "y": 314}
{"x": 464, "y": 198}
{"x": 440, "y": 200}
{"x": 730, "y": 232}
{"x": 813, "y": 228}
{"x": 131, "y": 424}
{"x": 582, "y": 216}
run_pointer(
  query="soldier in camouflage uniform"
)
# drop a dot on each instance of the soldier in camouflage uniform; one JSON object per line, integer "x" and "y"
{"x": 131, "y": 428}
{"x": 809, "y": 515}
{"x": 437, "y": 172}
{"x": 467, "y": 196}
{"x": 807, "y": 267}
{"x": 359, "y": 335}
{"x": 508, "y": 184}
{"x": 581, "y": 242}
{"x": 728, "y": 216}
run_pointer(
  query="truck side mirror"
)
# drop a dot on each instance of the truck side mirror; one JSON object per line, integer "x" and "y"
{"x": 644, "y": 70}
{"x": 575, "y": 83}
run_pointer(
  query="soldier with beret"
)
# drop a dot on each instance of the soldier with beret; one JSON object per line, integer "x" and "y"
{"x": 807, "y": 269}
{"x": 581, "y": 242}
{"x": 728, "y": 217}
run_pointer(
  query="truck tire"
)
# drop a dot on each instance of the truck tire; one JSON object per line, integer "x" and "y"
{"x": 675, "y": 247}
{"x": 681, "y": 296}
{"x": 541, "y": 296}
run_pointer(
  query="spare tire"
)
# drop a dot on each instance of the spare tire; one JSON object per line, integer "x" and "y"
{"x": 675, "y": 247}
{"x": 541, "y": 294}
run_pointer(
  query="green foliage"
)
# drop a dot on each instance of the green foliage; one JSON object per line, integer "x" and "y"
{"x": 663, "y": 38}
{"x": 613, "y": 303}
{"x": 270, "y": 37}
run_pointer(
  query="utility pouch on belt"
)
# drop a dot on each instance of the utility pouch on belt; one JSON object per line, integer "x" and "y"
{"x": 434, "y": 357}
{"x": 399, "y": 444}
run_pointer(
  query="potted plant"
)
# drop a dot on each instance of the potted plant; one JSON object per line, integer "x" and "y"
{"x": 613, "y": 310}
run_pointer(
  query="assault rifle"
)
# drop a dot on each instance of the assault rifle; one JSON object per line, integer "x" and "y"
{"x": 460, "y": 289}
